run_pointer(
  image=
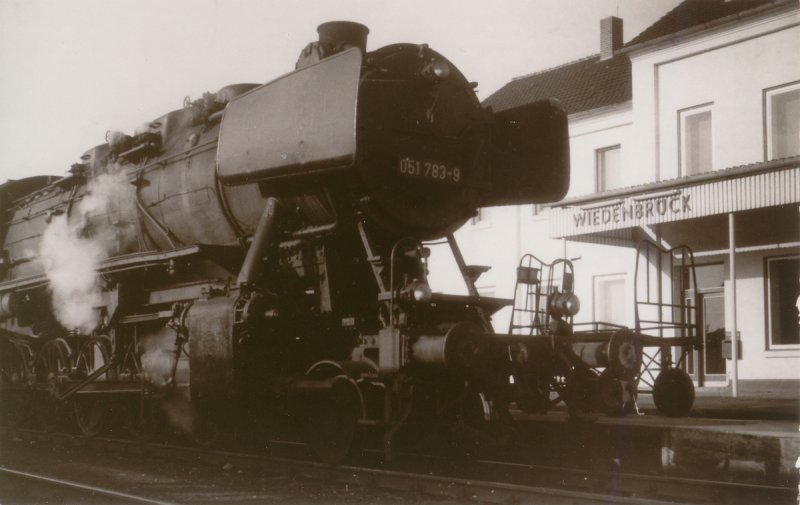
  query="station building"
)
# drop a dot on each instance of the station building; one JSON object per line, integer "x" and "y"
{"x": 689, "y": 133}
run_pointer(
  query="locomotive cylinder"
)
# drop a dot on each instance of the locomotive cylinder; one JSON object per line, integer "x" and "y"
{"x": 455, "y": 350}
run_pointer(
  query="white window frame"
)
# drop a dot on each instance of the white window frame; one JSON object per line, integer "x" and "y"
{"x": 768, "y": 312}
{"x": 600, "y": 168}
{"x": 609, "y": 277}
{"x": 683, "y": 115}
{"x": 769, "y": 93}
{"x": 481, "y": 219}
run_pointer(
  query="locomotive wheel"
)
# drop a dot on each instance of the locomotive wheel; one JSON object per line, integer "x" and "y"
{"x": 51, "y": 367}
{"x": 469, "y": 424}
{"x": 13, "y": 368}
{"x": 14, "y": 404}
{"x": 333, "y": 428}
{"x": 673, "y": 392}
{"x": 611, "y": 394}
{"x": 91, "y": 411}
{"x": 580, "y": 392}
{"x": 532, "y": 395}
{"x": 143, "y": 418}
{"x": 206, "y": 433}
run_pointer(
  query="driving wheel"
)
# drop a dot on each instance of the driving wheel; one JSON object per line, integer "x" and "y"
{"x": 91, "y": 411}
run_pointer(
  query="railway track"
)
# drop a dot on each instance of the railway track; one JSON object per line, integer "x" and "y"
{"x": 54, "y": 490}
{"x": 478, "y": 481}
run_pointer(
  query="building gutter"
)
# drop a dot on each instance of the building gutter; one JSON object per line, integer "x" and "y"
{"x": 673, "y": 38}
{"x": 718, "y": 175}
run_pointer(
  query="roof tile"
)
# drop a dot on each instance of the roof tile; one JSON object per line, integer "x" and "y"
{"x": 691, "y": 13}
{"x": 581, "y": 85}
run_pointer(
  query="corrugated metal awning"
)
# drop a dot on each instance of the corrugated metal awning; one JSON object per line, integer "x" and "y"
{"x": 738, "y": 189}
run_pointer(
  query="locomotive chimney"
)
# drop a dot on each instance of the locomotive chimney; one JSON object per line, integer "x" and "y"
{"x": 340, "y": 35}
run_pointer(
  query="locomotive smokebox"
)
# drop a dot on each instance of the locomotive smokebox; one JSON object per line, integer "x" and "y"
{"x": 341, "y": 35}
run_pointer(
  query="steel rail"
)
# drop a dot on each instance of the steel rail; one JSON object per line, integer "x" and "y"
{"x": 84, "y": 487}
{"x": 479, "y": 480}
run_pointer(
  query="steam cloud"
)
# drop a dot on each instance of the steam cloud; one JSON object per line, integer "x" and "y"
{"x": 158, "y": 359}
{"x": 71, "y": 253}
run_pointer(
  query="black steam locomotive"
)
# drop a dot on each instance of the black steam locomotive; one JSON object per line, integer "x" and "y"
{"x": 260, "y": 250}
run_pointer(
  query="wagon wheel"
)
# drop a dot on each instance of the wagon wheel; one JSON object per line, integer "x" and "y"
{"x": 673, "y": 392}
{"x": 91, "y": 412}
{"x": 14, "y": 406}
{"x": 51, "y": 367}
{"x": 333, "y": 425}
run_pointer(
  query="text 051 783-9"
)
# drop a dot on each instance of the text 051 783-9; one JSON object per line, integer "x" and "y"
{"x": 430, "y": 170}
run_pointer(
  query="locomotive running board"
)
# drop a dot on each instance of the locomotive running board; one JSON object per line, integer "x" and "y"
{"x": 229, "y": 257}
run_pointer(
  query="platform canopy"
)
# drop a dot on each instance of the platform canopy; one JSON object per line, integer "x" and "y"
{"x": 692, "y": 210}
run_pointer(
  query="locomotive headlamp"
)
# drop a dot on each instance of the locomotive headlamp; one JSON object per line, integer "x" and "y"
{"x": 417, "y": 291}
{"x": 436, "y": 71}
{"x": 566, "y": 304}
{"x": 422, "y": 292}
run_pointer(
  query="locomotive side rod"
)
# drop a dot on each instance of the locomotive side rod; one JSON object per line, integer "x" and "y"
{"x": 88, "y": 380}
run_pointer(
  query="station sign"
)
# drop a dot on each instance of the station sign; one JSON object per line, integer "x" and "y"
{"x": 717, "y": 193}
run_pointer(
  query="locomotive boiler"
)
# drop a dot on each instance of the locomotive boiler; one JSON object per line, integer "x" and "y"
{"x": 261, "y": 250}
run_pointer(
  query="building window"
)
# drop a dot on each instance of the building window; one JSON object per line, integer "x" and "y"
{"x": 695, "y": 139}
{"x": 783, "y": 297}
{"x": 782, "y": 121}
{"x": 487, "y": 291}
{"x": 609, "y": 168}
{"x": 609, "y": 299}
{"x": 479, "y": 217}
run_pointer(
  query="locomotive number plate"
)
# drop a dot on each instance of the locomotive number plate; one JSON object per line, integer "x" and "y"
{"x": 429, "y": 170}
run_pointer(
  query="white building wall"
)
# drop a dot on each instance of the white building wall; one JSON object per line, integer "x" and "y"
{"x": 729, "y": 68}
{"x": 595, "y": 130}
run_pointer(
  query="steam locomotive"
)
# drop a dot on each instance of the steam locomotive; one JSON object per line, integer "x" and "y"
{"x": 261, "y": 251}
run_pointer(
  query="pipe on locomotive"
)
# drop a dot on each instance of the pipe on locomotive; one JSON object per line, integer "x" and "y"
{"x": 251, "y": 266}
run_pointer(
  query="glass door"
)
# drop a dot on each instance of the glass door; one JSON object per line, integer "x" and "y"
{"x": 713, "y": 332}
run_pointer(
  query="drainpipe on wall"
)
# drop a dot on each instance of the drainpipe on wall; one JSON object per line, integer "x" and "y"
{"x": 734, "y": 329}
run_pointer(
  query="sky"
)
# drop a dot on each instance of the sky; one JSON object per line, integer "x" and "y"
{"x": 70, "y": 70}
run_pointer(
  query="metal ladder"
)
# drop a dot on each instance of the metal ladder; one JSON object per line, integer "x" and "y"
{"x": 527, "y": 316}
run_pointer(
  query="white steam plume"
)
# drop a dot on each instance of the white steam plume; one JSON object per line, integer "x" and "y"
{"x": 71, "y": 254}
{"x": 158, "y": 360}
{"x": 158, "y": 357}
